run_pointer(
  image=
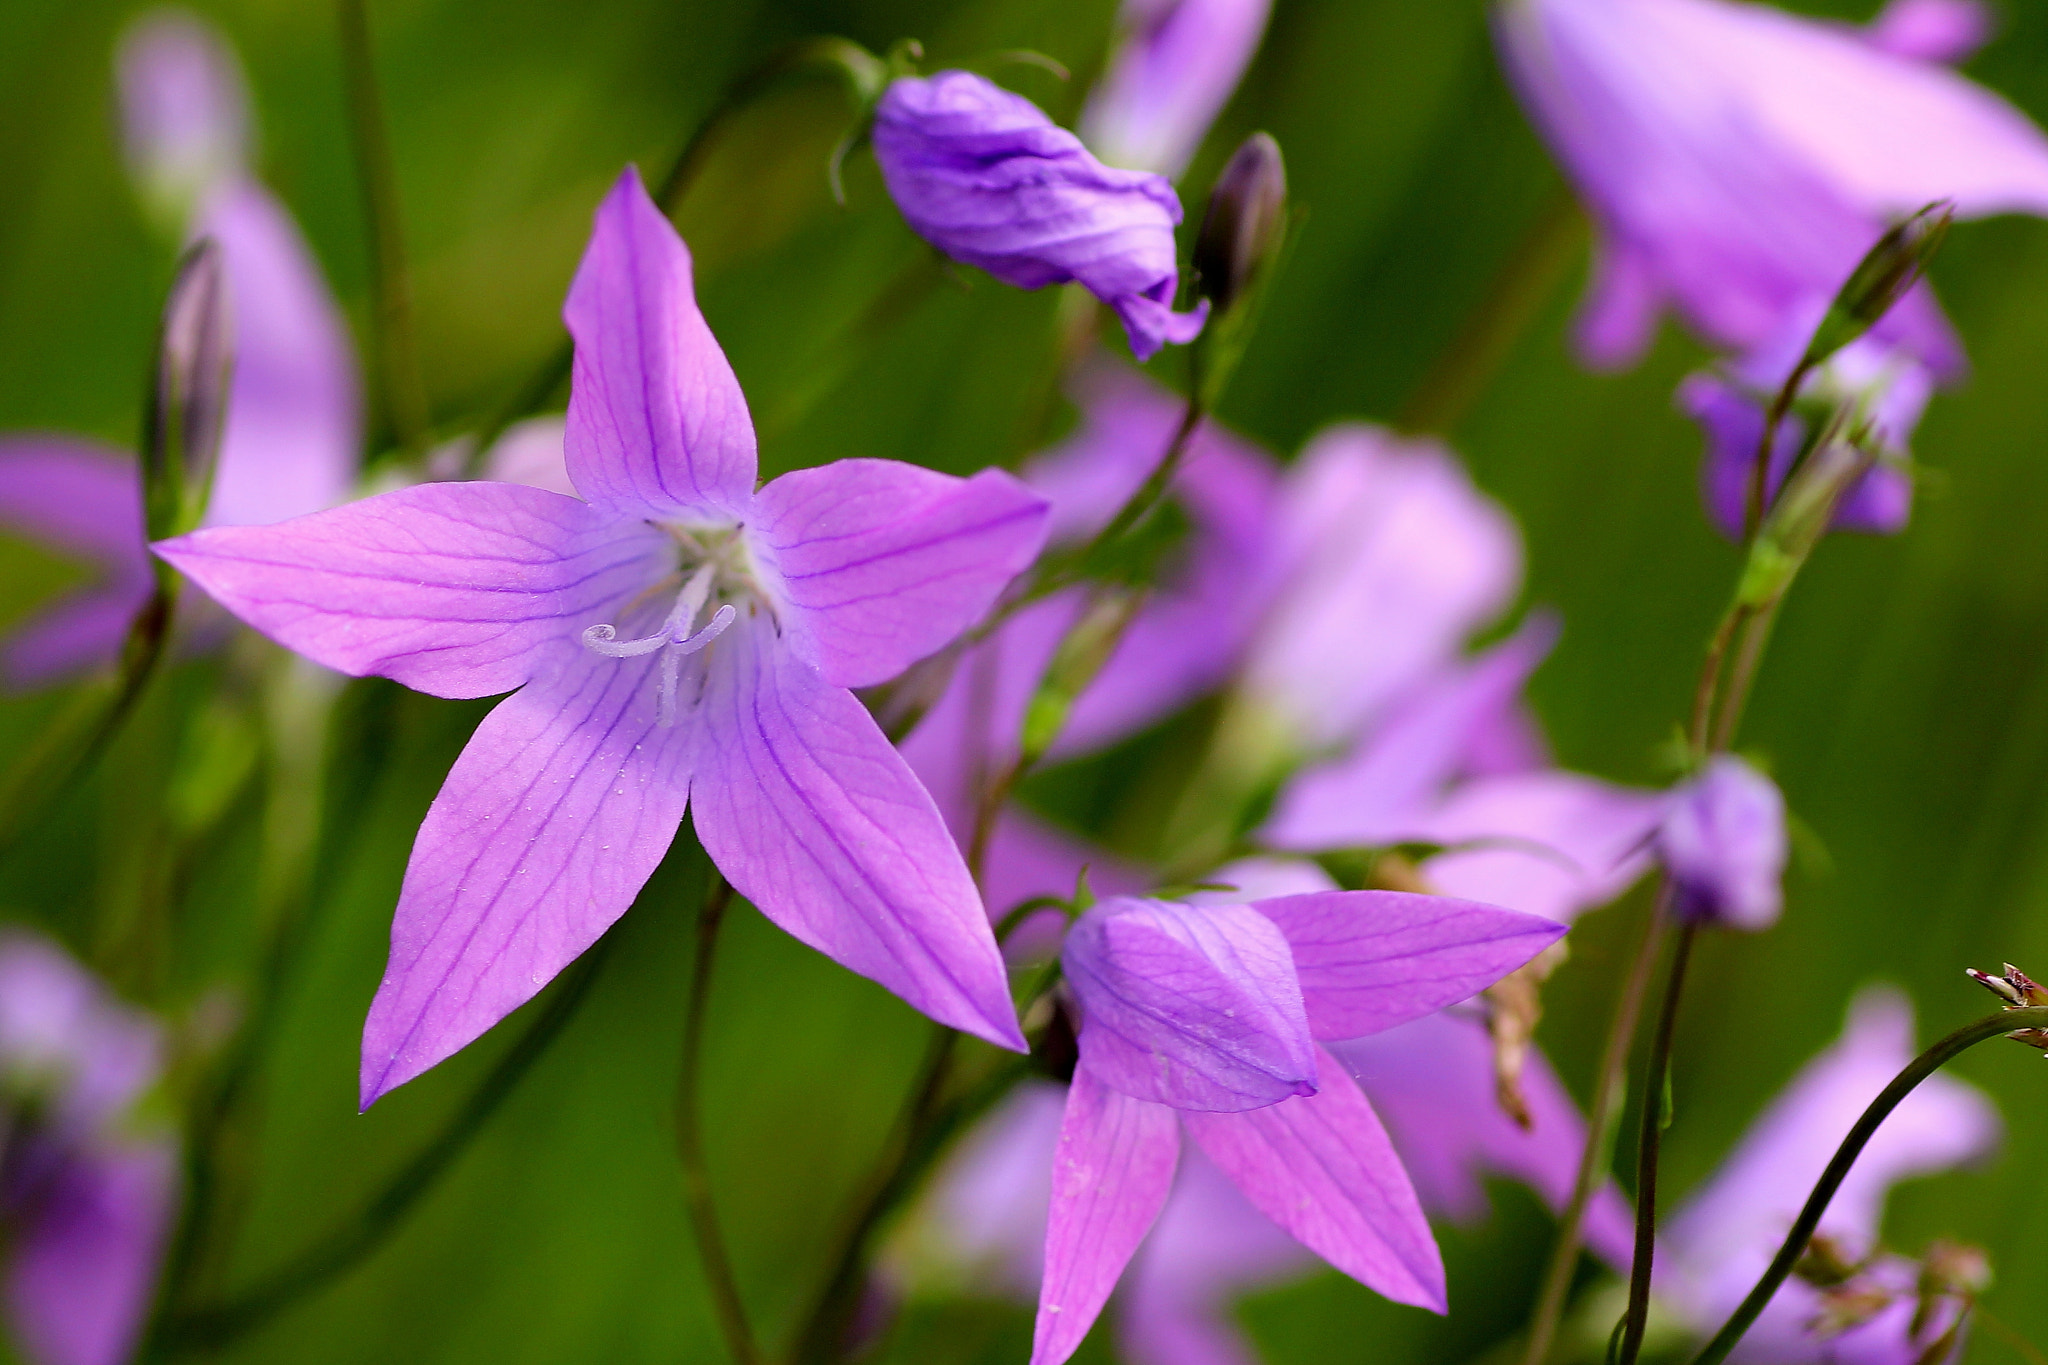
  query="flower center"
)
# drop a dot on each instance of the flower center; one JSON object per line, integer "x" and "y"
{"x": 678, "y": 636}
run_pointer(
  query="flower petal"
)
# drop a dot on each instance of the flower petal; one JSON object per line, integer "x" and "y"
{"x": 878, "y": 563}
{"x": 1385, "y": 788}
{"x": 808, "y": 811}
{"x": 555, "y": 815}
{"x": 1432, "y": 1081}
{"x": 1170, "y": 78}
{"x": 1194, "y": 1007}
{"x": 1392, "y": 558}
{"x": 1111, "y": 1174}
{"x": 293, "y": 429}
{"x": 1369, "y": 960}
{"x": 1552, "y": 843}
{"x": 1321, "y": 1167}
{"x": 83, "y": 1264}
{"x": 456, "y": 589}
{"x": 81, "y": 499}
{"x": 657, "y": 424}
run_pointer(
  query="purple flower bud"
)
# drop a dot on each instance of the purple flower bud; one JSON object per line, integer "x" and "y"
{"x": 1723, "y": 844}
{"x": 1194, "y": 1007}
{"x": 987, "y": 178}
{"x": 1244, "y": 225}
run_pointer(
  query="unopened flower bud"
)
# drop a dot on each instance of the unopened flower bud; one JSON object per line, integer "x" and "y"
{"x": 1244, "y": 222}
{"x": 1723, "y": 844}
{"x": 2018, "y": 991}
{"x": 1881, "y": 279}
{"x": 188, "y": 404}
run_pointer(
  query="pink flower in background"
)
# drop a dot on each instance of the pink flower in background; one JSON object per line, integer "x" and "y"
{"x": 1739, "y": 160}
{"x": 87, "y": 1189}
{"x": 1719, "y": 1242}
{"x": 1723, "y": 844}
{"x": 290, "y": 439}
{"x": 680, "y": 638}
{"x": 1175, "y": 66}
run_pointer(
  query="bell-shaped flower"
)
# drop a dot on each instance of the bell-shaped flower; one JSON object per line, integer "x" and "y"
{"x": 290, "y": 439}
{"x": 1885, "y": 388}
{"x": 1175, "y": 66}
{"x": 1722, "y": 842}
{"x": 1719, "y": 1242}
{"x": 987, "y": 178}
{"x": 1739, "y": 160}
{"x": 1207, "y": 1021}
{"x": 676, "y": 638}
{"x": 87, "y": 1186}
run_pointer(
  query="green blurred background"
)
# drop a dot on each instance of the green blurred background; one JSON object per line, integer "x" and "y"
{"x": 1904, "y": 708}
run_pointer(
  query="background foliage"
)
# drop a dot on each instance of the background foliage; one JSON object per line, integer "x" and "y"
{"x": 1905, "y": 707}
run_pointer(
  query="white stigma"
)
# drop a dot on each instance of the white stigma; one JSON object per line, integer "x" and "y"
{"x": 674, "y": 639}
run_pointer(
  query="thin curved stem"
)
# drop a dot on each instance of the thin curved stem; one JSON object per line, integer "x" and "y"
{"x": 1609, "y": 1085}
{"x": 355, "y": 1240}
{"x": 711, "y": 1248}
{"x": 1649, "y": 1148}
{"x": 1803, "y": 1227}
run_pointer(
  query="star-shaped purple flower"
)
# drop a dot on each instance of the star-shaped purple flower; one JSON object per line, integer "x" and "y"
{"x": 1207, "y": 1020}
{"x": 680, "y": 638}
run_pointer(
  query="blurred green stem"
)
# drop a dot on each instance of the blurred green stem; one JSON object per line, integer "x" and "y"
{"x": 1513, "y": 301}
{"x": 1649, "y": 1148}
{"x": 399, "y": 382}
{"x": 703, "y": 1211}
{"x": 350, "y": 1244}
{"x": 1610, "y": 1083}
{"x": 1918, "y": 1070}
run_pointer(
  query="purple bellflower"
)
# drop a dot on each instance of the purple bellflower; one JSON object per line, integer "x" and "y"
{"x": 1429, "y": 1080}
{"x": 983, "y": 175}
{"x": 678, "y": 638}
{"x": 1722, "y": 841}
{"x": 87, "y": 1185}
{"x": 289, "y": 441}
{"x": 1176, "y": 64}
{"x": 1739, "y": 160}
{"x": 1207, "y": 1021}
{"x": 1722, "y": 1238}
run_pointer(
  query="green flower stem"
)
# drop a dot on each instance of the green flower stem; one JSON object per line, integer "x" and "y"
{"x": 1649, "y": 1148}
{"x": 1609, "y": 1085}
{"x": 711, "y": 1249}
{"x": 1514, "y": 300}
{"x": 403, "y": 391}
{"x": 348, "y": 1245}
{"x": 1918, "y": 1070}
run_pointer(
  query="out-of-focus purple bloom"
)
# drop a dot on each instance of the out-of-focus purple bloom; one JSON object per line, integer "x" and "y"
{"x": 290, "y": 438}
{"x": 86, "y": 1188}
{"x": 1724, "y": 1236}
{"x": 1738, "y": 160}
{"x": 1535, "y": 838}
{"x": 1387, "y": 559}
{"x": 677, "y": 638}
{"x": 1207, "y": 1019}
{"x": 1931, "y": 30}
{"x": 1723, "y": 844}
{"x": 983, "y": 175}
{"x": 1175, "y": 67}
{"x": 1888, "y": 388}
